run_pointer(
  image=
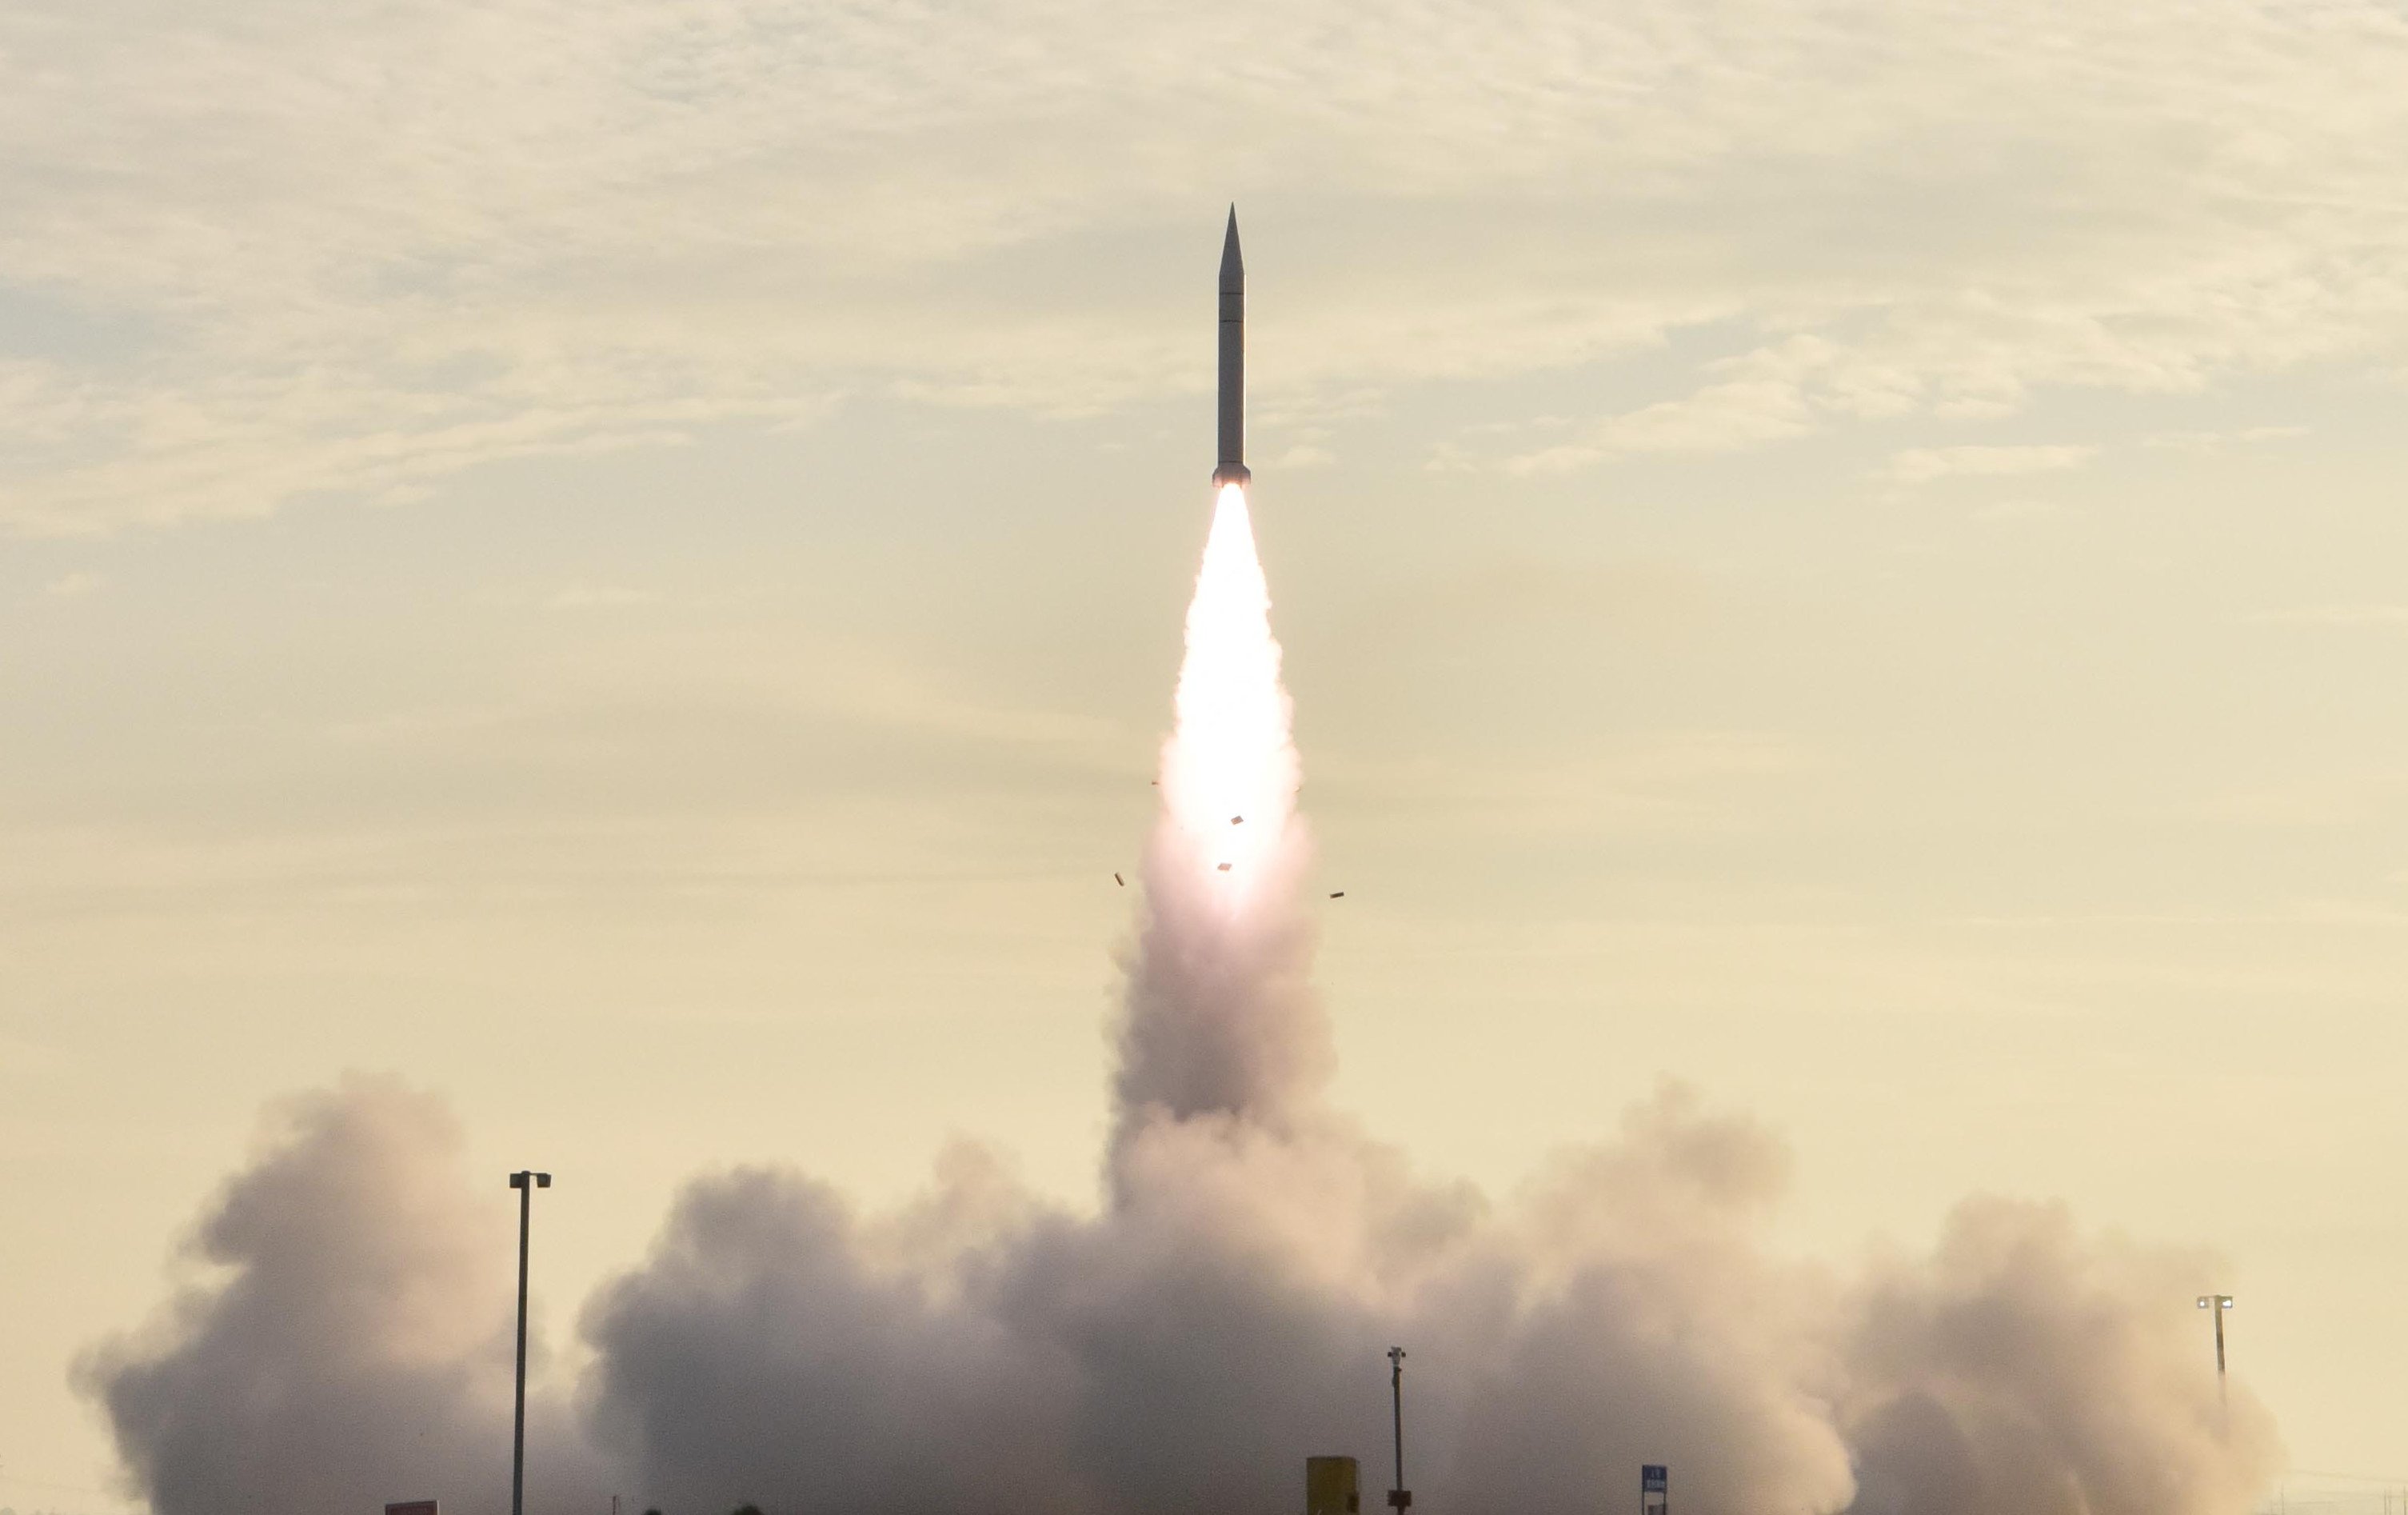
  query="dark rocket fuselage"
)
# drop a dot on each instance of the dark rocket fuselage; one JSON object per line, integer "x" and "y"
{"x": 1232, "y": 468}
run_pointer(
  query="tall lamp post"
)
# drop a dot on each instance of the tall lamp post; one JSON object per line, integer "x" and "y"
{"x": 526, "y": 1183}
{"x": 1399, "y": 1498}
{"x": 2219, "y": 1303}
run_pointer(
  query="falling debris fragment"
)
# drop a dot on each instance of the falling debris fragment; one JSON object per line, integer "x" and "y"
{"x": 1340, "y": 895}
{"x": 1122, "y": 882}
{"x": 1225, "y": 868}
{"x": 1237, "y": 820}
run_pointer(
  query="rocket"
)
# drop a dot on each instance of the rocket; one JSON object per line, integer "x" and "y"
{"x": 1232, "y": 469}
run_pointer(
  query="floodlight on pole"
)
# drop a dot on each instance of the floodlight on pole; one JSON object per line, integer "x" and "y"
{"x": 1399, "y": 1498}
{"x": 2219, "y": 1303}
{"x": 526, "y": 1182}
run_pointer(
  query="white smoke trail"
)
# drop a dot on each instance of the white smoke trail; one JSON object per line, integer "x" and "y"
{"x": 1225, "y": 1314}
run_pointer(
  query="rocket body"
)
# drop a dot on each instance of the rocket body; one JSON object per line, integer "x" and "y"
{"x": 1232, "y": 468}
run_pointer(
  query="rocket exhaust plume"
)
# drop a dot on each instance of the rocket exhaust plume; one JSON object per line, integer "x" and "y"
{"x": 1229, "y": 768}
{"x": 1225, "y": 1310}
{"x": 1220, "y": 1017}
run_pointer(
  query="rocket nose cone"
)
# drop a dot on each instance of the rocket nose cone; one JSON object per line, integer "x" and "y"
{"x": 1233, "y": 263}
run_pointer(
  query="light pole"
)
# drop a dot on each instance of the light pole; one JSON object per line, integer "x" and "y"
{"x": 1399, "y": 1498}
{"x": 526, "y": 1183}
{"x": 2219, "y": 1303}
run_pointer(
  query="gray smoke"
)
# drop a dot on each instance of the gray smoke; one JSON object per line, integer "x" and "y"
{"x": 353, "y": 1342}
{"x": 2024, "y": 1369}
{"x": 1226, "y": 1318}
{"x": 1222, "y": 1316}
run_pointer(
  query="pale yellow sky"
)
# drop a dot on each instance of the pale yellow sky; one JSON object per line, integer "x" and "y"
{"x": 624, "y": 563}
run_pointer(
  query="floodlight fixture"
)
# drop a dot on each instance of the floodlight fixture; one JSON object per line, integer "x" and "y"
{"x": 2219, "y": 1303}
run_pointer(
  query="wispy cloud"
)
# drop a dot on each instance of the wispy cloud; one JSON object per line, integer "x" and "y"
{"x": 2020, "y": 508}
{"x": 601, "y": 596}
{"x": 609, "y": 226}
{"x": 1724, "y": 417}
{"x": 2218, "y": 441}
{"x": 1923, "y": 464}
{"x": 2367, "y": 616}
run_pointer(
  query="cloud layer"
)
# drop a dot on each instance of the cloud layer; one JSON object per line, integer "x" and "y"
{"x": 261, "y": 254}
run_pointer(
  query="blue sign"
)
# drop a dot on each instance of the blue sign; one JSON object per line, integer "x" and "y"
{"x": 1653, "y": 1478}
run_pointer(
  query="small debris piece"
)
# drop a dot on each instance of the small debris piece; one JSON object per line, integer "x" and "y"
{"x": 1225, "y": 868}
{"x": 1237, "y": 820}
{"x": 1122, "y": 882}
{"x": 1340, "y": 895}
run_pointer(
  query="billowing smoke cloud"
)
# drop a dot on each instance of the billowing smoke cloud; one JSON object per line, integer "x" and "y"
{"x": 353, "y": 1343}
{"x": 2022, "y": 1370}
{"x": 1226, "y": 1312}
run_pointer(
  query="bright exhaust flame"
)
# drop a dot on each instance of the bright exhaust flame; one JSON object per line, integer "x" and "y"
{"x": 1229, "y": 770}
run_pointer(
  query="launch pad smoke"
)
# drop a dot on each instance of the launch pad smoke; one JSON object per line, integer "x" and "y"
{"x": 1224, "y": 1313}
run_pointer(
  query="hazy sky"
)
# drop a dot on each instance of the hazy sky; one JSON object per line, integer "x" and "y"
{"x": 624, "y": 562}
